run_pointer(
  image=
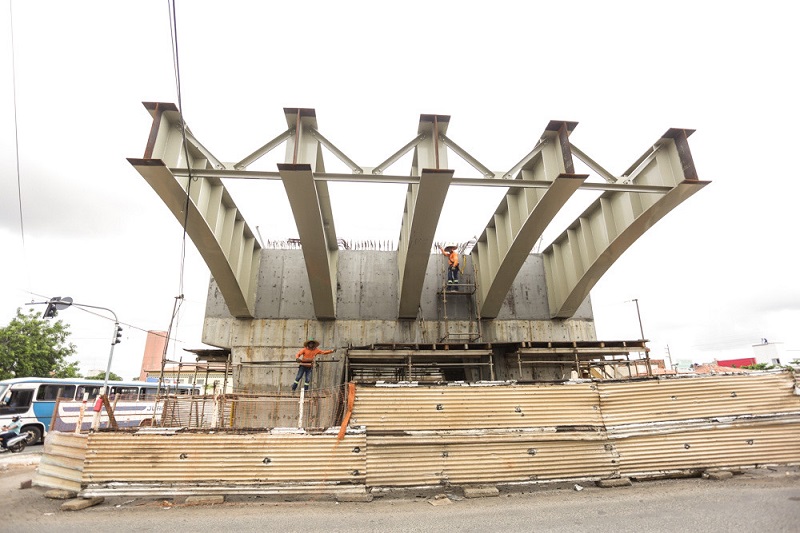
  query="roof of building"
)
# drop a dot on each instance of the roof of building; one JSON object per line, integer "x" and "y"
{"x": 714, "y": 368}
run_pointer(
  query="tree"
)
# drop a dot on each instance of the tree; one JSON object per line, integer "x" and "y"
{"x": 759, "y": 366}
{"x": 32, "y": 346}
{"x": 102, "y": 376}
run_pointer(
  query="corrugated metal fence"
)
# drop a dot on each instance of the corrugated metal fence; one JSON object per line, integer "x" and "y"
{"x": 61, "y": 465}
{"x": 524, "y": 433}
{"x": 463, "y": 434}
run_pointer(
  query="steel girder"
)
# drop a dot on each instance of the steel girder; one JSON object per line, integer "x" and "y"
{"x": 311, "y": 207}
{"x": 579, "y": 257}
{"x": 538, "y": 187}
{"x": 214, "y": 223}
{"x": 424, "y": 201}
{"x": 523, "y": 215}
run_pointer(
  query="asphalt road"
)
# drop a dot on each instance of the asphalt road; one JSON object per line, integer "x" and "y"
{"x": 763, "y": 500}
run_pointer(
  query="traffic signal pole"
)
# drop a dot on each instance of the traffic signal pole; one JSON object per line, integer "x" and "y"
{"x": 59, "y": 303}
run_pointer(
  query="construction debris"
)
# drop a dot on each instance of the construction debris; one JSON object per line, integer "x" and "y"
{"x": 440, "y": 499}
{"x": 81, "y": 503}
{"x": 616, "y": 482}
{"x": 482, "y": 491}
{"x": 60, "y": 494}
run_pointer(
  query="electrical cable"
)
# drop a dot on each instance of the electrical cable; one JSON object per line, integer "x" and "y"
{"x": 173, "y": 27}
{"x": 126, "y": 324}
{"x": 16, "y": 136}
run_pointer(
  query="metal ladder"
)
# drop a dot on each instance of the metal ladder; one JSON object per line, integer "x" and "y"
{"x": 466, "y": 291}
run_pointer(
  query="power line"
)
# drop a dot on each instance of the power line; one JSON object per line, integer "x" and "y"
{"x": 173, "y": 28}
{"x": 16, "y": 137}
{"x": 126, "y": 324}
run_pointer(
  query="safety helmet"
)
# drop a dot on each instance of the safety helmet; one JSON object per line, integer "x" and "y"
{"x": 450, "y": 248}
{"x": 309, "y": 341}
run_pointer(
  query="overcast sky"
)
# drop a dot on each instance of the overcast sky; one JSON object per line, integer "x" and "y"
{"x": 714, "y": 277}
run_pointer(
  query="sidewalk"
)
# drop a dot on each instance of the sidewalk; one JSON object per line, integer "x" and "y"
{"x": 30, "y": 456}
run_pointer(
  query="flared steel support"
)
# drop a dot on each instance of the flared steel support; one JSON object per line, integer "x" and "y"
{"x": 188, "y": 177}
{"x": 214, "y": 223}
{"x": 522, "y": 217}
{"x": 319, "y": 256}
{"x": 582, "y": 254}
{"x": 420, "y": 218}
{"x": 423, "y": 207}
{"x": 311, "y": 207}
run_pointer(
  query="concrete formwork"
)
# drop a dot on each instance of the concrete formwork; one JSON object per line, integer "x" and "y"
{"x": 263, "y": 348}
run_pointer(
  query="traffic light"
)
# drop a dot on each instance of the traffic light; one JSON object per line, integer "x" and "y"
{"x": 118, "y": 338}
{"x": 51, "y": 310}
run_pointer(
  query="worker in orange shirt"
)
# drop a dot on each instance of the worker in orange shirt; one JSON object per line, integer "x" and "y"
{"x": 305, "y": 358}
{"x": 452, "y": 267}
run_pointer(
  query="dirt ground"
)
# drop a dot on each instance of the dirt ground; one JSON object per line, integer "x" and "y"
{"x": 760, "y": 500}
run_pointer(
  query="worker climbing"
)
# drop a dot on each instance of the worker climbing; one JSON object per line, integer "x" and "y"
{"x": 305, "y": 358}
{"x": 452, "y": 267}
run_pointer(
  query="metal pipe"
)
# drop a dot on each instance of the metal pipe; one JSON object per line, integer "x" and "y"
{"x": 436, "y": 139}
{"x": 398, "y": 154}
{"x": 296, "y": 136}
{"x": 244, "y": 163}
{"x": 466, "y": 156}
{"x": 592, "y": 164}
{"x": 335, "y": 151}
{"x": 380, "y": 178}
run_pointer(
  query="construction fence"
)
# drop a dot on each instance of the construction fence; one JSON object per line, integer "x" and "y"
{"x": 410, "y": 435}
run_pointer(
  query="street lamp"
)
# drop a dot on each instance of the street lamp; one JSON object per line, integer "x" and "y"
{"x": 645, "y": 351}
{"x": 58, "y": 303}
{"x": 641, "y": 330}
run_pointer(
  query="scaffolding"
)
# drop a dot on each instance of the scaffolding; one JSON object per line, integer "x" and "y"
{"x": 431, "y": 363}
{"x": 587, "y": 359}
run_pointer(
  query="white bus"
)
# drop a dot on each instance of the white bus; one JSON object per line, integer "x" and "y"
{"x": 34, "y": 400}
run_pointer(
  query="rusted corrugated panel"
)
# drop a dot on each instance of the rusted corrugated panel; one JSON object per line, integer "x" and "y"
{"x": 61, "y": 464}
{"x": 468, "y": 407}
{"x": 726, "y": 446}
{"x": 686, "y": 398}
{"x": 465, "y": 458}
{"x": 225, "y": 457}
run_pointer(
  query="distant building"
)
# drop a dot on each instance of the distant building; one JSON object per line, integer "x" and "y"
{"x": 737, "y": 363}
{"x": 212, "y": 371}
{"x": 153, "y": 352}
{"x": 717, "y": 368}
{"x": 210, "y": 377}
{"x": 659, "y": 367}
{"x": 768, "y": 352}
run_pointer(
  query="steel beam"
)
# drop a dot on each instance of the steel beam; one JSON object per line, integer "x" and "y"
{"x": 580, "y": 256}
{"x": 421, "y": 216}
{"x": 304, "y": 148}
{"x": 522, "y": 217}
{"x": 311, "y": 206}
{"x": 431, "y": 151}
{"x": 423, "y": 206}
{"x": 214, "y": 223}
{"x": 320, "y": 257}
